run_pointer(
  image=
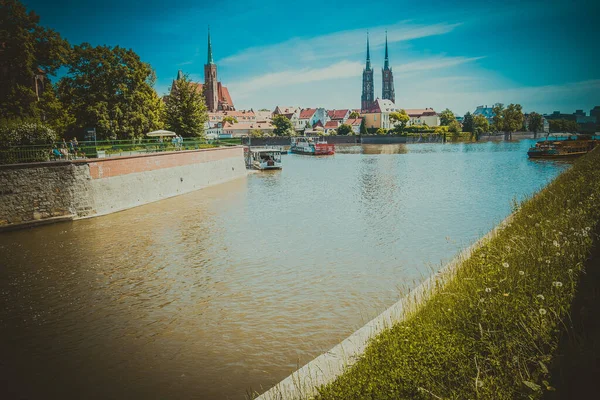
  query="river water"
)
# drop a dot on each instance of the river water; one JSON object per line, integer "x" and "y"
{"x": 229, "y": 289}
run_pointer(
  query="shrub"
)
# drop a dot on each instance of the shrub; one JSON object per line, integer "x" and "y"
{"x": 25, "y": 141}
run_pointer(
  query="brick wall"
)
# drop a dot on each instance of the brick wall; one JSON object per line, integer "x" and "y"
{"x": 84, "y": 188}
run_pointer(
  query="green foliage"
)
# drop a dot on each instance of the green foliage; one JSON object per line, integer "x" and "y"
{"x": 344, "y": 129}
{"x": 381, "y": 131}
{"x": 363, "y": 127}
{"x": 17, "y": 132}
{"x": 230, "y": 119}
{"x": 467, "y": 124}
{"x": 535, "y": 122}
{"x": 454, "y": 127}
{"x": 185, "y": 111}
{"x": 491, "y": 330}
{"x": 563, "y": 125}
{"x": 480, "y": 125}
{"x": 419, "y": 129}
{"x": 28, "y": 50}
{"x": 441, "y": 130}
{"x": 512, "y": 118}
{"x": 354, "y": 115}
{"x": 399, "y": 119}
{"x": 509, "y": 119}
{"x": 111, "y": 89}
{"x": 283, "y": 126}
{"x": 256, "y": 133}
{"x": 446, "y": 117}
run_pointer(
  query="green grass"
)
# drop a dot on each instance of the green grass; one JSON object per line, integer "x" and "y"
{"x": 492, "y": 330}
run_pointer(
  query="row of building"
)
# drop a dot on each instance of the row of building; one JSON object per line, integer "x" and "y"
{"x": 239, "y": 123}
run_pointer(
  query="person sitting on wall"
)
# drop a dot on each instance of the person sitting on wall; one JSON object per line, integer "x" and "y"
{"x": 64, "y": 149}
{"x": 55, "y": 154}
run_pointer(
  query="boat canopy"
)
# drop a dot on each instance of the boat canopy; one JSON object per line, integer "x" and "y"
{"x": 160, "y": 133}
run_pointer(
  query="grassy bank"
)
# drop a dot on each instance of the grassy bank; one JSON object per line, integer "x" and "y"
{"x": 492, "y": 331}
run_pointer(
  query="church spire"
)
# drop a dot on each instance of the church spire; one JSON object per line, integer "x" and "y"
{"x": 368, "y": 53}
{"x": 387, "y": 60}
{"x": 210, "y": 56}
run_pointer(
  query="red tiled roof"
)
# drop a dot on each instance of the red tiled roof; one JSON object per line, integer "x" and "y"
{"x": 354, "y": 121}
{"x": 332, "y": 124}
{"x": 224, "y": 94}
{"x": 307, "y": 113}
{"x": 337, "y": 114}
{"x": 318, "y": 123}
{"x": 418, "y": 112}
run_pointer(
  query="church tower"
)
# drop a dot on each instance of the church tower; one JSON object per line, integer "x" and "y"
{"x": 387, "y": 85}
{"x": 211, "y": 93}
{"x": 367, "y": 98}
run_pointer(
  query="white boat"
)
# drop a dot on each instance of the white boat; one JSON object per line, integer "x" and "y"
{"x": 314, "y": 146}
{"x": 263, "y": 158}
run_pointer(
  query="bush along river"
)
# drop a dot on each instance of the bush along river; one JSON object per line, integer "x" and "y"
{"x": 227, "y": 290}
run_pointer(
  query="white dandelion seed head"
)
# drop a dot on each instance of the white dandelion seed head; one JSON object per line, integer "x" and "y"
{"x": 521, "y": 272}
{"x": 558, "y": 253}
{"x": 557, "y": 284}
{"x": 479, "y": 383}
{"x": 555, "y": 243}
{"x": 505, "y": 265}
{"x": 537, "y": 225}
{"x": 488, "y": 290}
{"x": 547, "y": 261}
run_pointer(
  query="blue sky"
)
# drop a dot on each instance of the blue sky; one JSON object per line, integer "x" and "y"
{"x": 542, "y": 54}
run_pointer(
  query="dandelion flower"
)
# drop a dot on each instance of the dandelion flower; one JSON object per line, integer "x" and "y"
{"x": 521, "y": 272}
{"x": 558, "y": 254}
{"x": 505, "y": 265}
{"x": 506, "y": 294}
{"x": 543, "y": 311}
{"x": 541, "y": 297}
{"x": 479, "y": 384}
{"x": 555, "y": 243}
{"x": 557, "y": 284}
{"x": 547, "y": 261}
{"x": 488, "y": 290}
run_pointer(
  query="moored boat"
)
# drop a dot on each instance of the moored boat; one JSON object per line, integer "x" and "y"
{"x": 315, "y": 146}
{"x": 561, "y": 148}
{"x": 263, "y": 158}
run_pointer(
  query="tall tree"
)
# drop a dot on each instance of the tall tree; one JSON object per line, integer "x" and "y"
{"x": 467, "y": 125}
{"x": 512, "y": 119}
{"x": 399, "y": 119}
{"x": 454, "y": 127}
{"x": 446, "y": 117}
{"x": 111, "y": 89}
{"x": 498, "y": 117}
{"x": 29, "y": 54}
{"x": 283, "y": 126}
{"x": 363, "y": 127}
{"x": 480, "y": 125}
{"x": 535, "y": 122}
{"x": 185, "y": 111}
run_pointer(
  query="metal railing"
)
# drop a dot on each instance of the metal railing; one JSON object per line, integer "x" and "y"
{"x": 105, "y": 148}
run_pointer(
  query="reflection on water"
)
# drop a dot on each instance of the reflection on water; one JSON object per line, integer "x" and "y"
{"x": 209, "y": 294}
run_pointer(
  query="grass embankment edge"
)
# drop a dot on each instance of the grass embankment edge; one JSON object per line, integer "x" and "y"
{"x": 492, "y": 330}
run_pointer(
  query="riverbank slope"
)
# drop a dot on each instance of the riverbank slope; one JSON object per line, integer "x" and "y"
{"x": 493, "y": 329}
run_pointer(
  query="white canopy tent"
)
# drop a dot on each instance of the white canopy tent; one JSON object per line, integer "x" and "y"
{"x": 160, "y": 133}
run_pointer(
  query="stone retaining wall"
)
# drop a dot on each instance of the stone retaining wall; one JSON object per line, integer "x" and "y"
{"x": 85, "y": 188}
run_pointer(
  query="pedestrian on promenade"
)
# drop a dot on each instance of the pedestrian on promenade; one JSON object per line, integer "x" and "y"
{"x": 64, "y": 149}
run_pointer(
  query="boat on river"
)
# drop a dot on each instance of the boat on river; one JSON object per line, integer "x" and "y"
{"x": 561, "y": 149}
{"x": 314, "y": 146}
{"x": 263, "y": 158}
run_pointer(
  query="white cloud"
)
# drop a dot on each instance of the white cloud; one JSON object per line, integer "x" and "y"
{"x": 335, "y": 45}
{"x": 343, "y": 69}
{"x": 252, "y": 86}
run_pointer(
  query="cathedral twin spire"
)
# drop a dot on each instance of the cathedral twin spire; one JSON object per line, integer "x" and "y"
{"x": 387, "y": 87}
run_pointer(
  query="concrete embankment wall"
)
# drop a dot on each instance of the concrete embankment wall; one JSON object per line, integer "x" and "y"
{"x": 85, "y": 188}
